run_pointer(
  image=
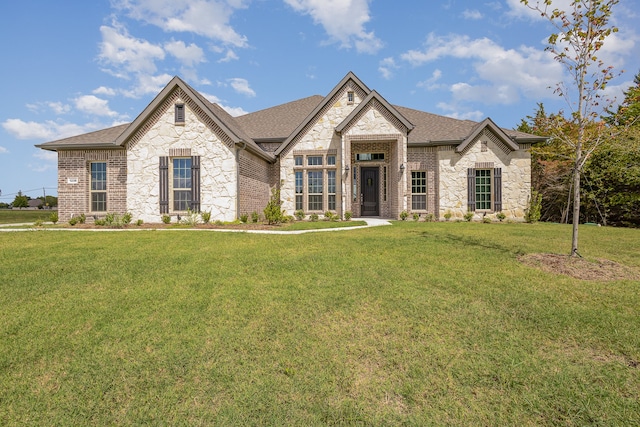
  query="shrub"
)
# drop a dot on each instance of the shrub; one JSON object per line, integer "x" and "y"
{"x": 404, "y": 215}
{"x": 126, "y": 218}
{"x": 468, "y": 216}
{"x": 486, "y": 220}
{"x": 447, "y": 215}
{"x": 82, "y": 218}
{"x": 244, "y": 218}
{"x": 272, "y": 212}
{"x": 416, "y": 217}
{"x": 313, "y": 217}
{"x": 299, "y": 214}
{"x": 255, "y": 217}
{"x": 38, "y": 223}
{"x": 534, "y": 208}
{"x": 191, "y": 218}
{"x": 100, "y": 222}
{"x": 166, "y": 219}
{"x": 501, "y": 216}
{"x": 73, "y": 221}
{"x": 53, "y": 217}
{"x": 430, "y": 217}
{"x": 348, "y": 215}
{"x": 328, "y": 216}
{"x": 218, "y": 222}
{"x": 206, "y": 217}
{"x": 139, "y": 222}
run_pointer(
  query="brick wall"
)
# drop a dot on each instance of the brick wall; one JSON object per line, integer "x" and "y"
{"x": 256, "y": 180}
{"x": 74, "y": 179}
{"x": 424, "y": 159}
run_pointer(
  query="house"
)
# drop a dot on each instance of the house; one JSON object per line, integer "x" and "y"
{"x": 347, "y": 151}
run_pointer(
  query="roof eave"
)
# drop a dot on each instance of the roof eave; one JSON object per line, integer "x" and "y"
{"x": 88, "y": 146}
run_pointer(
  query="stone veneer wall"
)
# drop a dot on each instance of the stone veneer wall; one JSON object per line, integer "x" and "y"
{"x": 424, "y": 159}
{"x": 320, "y": 135}
{"x": 516, "y": 176}
{"x": 256, "y": 181}
{"x": 375, "y": 125}
{"x": 199, "y": 136}
{"x": 74, "y": 199}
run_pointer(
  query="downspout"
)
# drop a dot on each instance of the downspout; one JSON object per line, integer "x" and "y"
{"x": 238, "y": 150}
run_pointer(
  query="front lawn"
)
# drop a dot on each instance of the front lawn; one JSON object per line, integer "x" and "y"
{"x": 415, "y": 323}
{"x": 16, "y": 216}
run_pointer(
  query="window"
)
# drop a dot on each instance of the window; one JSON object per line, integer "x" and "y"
{"x": 314, "y": 160}
{"x": 483, "y": 189}
{"x": 299, "y": 187}
{"x": 331, "y": 189}
{"x": 181, "y": 184}
{"x": 179, "y": 115}
{"x": 350, "y": 97}
{"x": 368, "y": 157}
{"x": 384, "y": 183}
{"x": 99, "y": 187}
{"x": 418, "y": 190}
{"x": 314, "y": 182}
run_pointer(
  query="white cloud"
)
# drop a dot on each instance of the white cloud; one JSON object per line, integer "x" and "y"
{"x": 208, "y": 18}
{"x": 242, "y": 86}
{"x": 343, "y": 20}
{"x": 147, "y": 84}
{"x": 93, "y": 105}
{"x": 188, "y": 55}
{"x": 386, "y": 67}
{"x": 234, "y": 111}
{"x": 124, "y": 54}
{"x": 102, "y": 90}
{"x": 57, "y": 107}
{"x": 454, "y": 112}
{"x": 230, "y": 56}
{"x": 430, "y": 83}
{"x": 505, "y": 73}
{"x": 3, "y": 150}
{"x": 48, "y": 130}
{"x": 472, "y": 14}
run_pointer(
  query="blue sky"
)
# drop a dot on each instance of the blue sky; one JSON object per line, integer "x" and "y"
{"x": 74, "y": 66}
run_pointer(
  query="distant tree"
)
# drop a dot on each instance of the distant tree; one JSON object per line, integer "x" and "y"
{"x": 580, "y": 34}
{"x": 20, "y": 201}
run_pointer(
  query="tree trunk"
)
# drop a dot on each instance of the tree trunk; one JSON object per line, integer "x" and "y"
{"x": 576, "y": 201}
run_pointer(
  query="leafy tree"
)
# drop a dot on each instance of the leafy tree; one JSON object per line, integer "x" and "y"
{"x": 20, "y": 201}
{"x": 580, "y": 34}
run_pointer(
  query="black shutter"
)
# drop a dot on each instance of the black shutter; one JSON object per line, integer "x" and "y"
{"x": 471, "y": 189}
{"x": 164, "y": 185}
{"x": 195, "y": 183}
{"x": 497, "y": 189}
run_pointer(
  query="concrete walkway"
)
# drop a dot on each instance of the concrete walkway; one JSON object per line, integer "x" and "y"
{"x": 371, "y": 222}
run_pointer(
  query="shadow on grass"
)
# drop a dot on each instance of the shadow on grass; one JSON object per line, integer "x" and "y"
{"x": 479, "y": 242}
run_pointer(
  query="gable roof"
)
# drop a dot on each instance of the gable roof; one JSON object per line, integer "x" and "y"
{"x": 105, "y": 138}
{"x": 311, "y": 116}
{"x": 283, "y": 123}
{"x": 374, "y": 96}
{"x": 277, "y": 123}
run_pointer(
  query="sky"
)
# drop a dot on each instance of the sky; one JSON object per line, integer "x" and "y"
{"x": 75, "y": 66}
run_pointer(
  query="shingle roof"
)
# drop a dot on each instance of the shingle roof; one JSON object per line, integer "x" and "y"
{"x": 104, "y": 137}
{"x": 278, "y": 122}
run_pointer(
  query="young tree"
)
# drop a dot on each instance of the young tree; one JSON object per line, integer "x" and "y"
{"x": 580, "y": 33}
{"x": 20, "y": 201}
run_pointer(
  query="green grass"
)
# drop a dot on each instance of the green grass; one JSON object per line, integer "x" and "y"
{"x": 415, "y": 324}
{"x": 16, "y": 216}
